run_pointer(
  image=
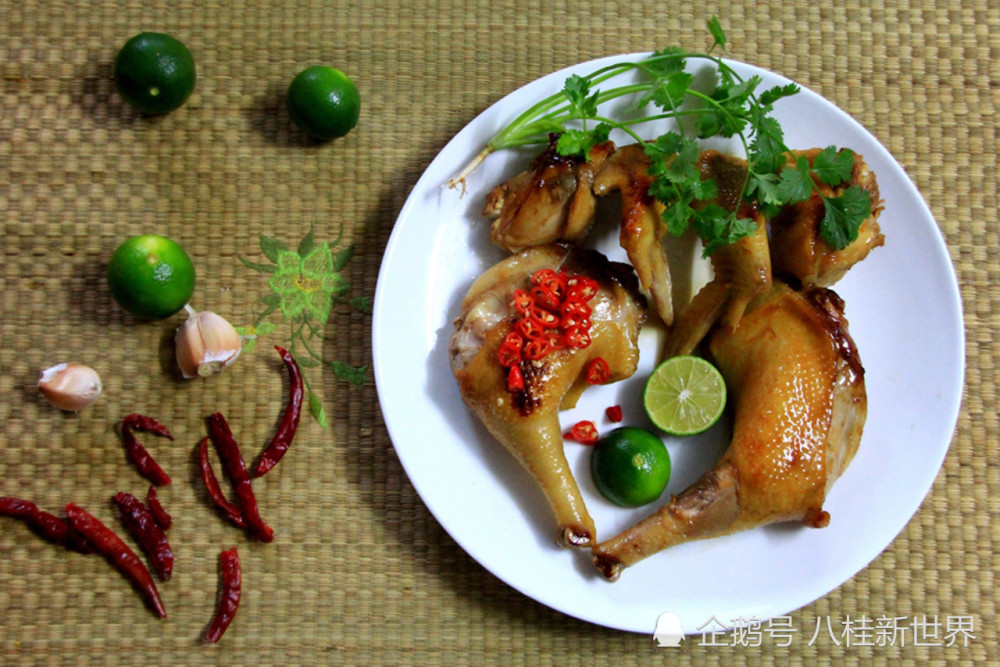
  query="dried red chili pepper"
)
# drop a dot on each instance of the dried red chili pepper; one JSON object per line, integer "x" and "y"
{"x": 614, "y": 413}
{"x": 142, "y": 526}
{"x": 584, "y": 432}
{"x": 162, "y": 518}
{"x": 229, "y": 596}
{"x": 45, "y": 524}
{"x": 214, "y": 489}
{"x": 282, "y": 439}
{"x": 121, "y": 557}
{"x": 598, "y": 371}
{"x": 232, "y": 459}
{"x": 147, "y": 465}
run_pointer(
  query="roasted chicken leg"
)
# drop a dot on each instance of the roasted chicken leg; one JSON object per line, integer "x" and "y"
{"x": 526, "y": 421}
{"x": 798, "y": 389}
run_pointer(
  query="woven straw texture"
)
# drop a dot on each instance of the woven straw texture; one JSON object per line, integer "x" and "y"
{"x": 360, "y": 573}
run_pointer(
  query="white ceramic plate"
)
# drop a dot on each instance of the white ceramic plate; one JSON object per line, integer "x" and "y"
{"x": 905, "y": 316}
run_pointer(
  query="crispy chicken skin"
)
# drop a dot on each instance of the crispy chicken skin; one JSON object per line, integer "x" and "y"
{"x": 551, "y": 201}
{"x": 742, "y": 269}
{"x": 798, "y": 251}
{"x": 526, "y": 422}
{"x": 797, "y": 386}
{"x": 641, "y": 228}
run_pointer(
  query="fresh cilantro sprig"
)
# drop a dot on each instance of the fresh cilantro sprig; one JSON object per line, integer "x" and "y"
{"x": 775, "y": 176}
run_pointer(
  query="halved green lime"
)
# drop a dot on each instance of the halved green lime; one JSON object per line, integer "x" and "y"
{"x": 685, "y": 395}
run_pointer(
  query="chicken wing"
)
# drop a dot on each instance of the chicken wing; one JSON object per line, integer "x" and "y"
{"x": 797, "y": 385}
{"x": 551, "y": 201}
{"x": 526, "y": 421}
{"x": 798, "y": 251}
{"x": 641, "y": 227}
{"x": 742, "y": 269}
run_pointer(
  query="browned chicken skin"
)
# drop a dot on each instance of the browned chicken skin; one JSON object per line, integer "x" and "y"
{"x": 797, "y": 386}
{"x": 800, "y": 253}
{"x": 551, "y": 201}
{"x": 527, "y": 422}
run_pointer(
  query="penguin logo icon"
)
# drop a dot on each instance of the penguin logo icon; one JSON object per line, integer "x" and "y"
{"x": 668, "y": 630}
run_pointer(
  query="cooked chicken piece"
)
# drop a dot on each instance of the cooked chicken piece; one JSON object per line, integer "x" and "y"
{"x": 798, "y": 251}
{"x": 641, "y": 228}
{"x": 551, "y": 201}
{"x": 797, "y": 386}
{"x": 742, "y": 269}
{"x": 526, "y": 421}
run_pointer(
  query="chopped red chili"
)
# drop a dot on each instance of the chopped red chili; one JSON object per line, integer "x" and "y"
{"x": 121, "y": 557}
{"x": 546, "y": 298}
{"x": 229, "y": 598}
{"x": 515, "y": 380}
{"x": 577, "y": 309}
{"x": 577, "y": 337}
{"x": 162, "y": 518}
{"x": 142, "y": 526}
{"x": 147, "y": 465}
{"x": 584, "y": 432}
{"x": 598, "y": 371}
{"x": 522, "y": 301}
{"x": 283, "y": 437}
{"x": 509, "y": 354}
{"x": 45, "y": 524}
{"x": 232, "y": 459}
{"x": 580, "y": 288}
{"x": 214, "y": 489}
{"x": 614, "y": 413}
{"x": 530, "y": 328}
{"x": 536, "y": 349}
{"x": 546, "y": 318}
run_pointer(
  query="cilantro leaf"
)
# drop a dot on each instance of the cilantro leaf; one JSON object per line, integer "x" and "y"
{"x": 833, "y": 167}
{"x": 796, "y": 183}
{"x": 844, "y": 215}
{"x": 718, "y": 34}
{"x": 669, "y": 94}
{"x": 772, "y": 95}
{"x": 767, "y": 150}
{"x": 718, "y": 227}
{"x": 667, "y": 61}
{"x": 577, "y": 91}
{"x": 579, "y": 142}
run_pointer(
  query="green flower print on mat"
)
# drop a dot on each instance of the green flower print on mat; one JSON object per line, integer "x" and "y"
{"x": 305, "y": 285}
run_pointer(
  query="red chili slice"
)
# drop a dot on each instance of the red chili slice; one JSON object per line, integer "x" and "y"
{"x": 614, "y": 413}
{"x": 556, "y": 341}
{"x": 577, "y": 337}
{"x": 522, "y": 301}
{"x": 598, "y": 371}
{"x": 509, "y": 354}
{"x": 530, "y": 328}
{"x": 581, "y": 288}
{"x": 584, "y": 432}
{"x": 575, "y": 308}
{"x": 546, "y": 298}
{"x": 515, "y": 380}
{"x": 546, "y": 318}
{"x": 536, "y": 349}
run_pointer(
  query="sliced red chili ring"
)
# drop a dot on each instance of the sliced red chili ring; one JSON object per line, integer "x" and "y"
{"x": 598, "y": 371}
{"x": 536, "y": 349}
{"x": 515, "y": 380}
{"x": 570, "y": 321}
{"x": 514, "y": 339}
{"x": 542, "y": 275}
{"x": 576, "y": 337}
{"x": 614, "y": 413}
{"x": 546, "y": 318}
{"x": 575, "y": 308}
{"x": 581, "y": 288}
{"x": 530, "y": 328}
{"x": 522, "y": 301}
{"x": 546, "y": 298}
{"x": 584, "y": 432}
{"x": 556, "y": 341}
{"x": 509, "y": 354}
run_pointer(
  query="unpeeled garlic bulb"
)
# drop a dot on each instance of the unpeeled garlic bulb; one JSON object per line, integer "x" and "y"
{"x": 206, "y": 343}
{"x": 70, "y": 386}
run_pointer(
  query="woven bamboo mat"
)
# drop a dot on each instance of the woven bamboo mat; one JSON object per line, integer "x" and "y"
{"x": 360, "y": 572}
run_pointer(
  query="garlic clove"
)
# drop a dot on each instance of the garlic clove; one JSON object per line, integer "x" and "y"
{"x": 206, "y": 343}
{"x": 70, "y": 386}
